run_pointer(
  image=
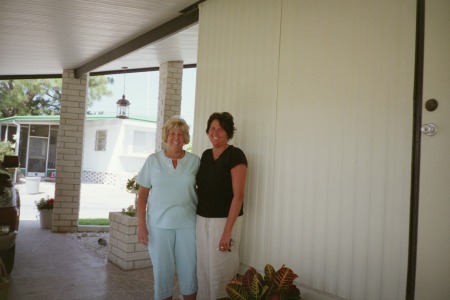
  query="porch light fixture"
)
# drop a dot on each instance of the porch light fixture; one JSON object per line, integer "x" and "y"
{"x": 123, "y": 104}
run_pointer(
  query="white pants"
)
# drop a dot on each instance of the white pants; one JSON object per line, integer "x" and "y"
{"x": 215, "y": 268}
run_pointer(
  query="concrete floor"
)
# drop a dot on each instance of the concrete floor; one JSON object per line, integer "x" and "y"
{"x": 53, "y": 266}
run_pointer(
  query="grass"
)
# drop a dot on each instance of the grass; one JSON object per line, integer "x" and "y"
{"x": 97, "y": 221}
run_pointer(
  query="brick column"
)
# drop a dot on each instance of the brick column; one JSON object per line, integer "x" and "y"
{"x": 169, "y": 99}
{"x": 69, "y": 153}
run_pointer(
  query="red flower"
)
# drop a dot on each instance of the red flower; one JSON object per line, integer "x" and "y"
{"x": 45, "y": 203}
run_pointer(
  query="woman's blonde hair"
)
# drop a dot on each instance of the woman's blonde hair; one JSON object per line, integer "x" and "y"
{"x": 176, "y": 123}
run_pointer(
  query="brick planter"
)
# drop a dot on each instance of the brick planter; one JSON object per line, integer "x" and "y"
{"x": 124, "y": 249}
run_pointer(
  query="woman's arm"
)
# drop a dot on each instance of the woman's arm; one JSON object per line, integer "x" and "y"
{"x": 238, "y": 175}
{"x": 142, "y": 214}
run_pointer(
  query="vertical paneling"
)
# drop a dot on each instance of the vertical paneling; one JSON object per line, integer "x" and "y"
{"x": 237, "y": 71}
{"x": 321, "y": 92}
{"x": 346, "y": 79}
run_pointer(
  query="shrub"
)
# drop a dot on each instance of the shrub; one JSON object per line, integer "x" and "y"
{"x": 130, "y": 211}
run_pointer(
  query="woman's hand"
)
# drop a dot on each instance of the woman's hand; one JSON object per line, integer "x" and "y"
{"x": 141, "y": 213}
{"x": 225, "y": 243}
{"x": 143, "y": 234}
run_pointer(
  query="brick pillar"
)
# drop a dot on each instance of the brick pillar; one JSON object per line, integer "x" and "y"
{"x": 69, "y": 150}
{"x": 169, "y": 99}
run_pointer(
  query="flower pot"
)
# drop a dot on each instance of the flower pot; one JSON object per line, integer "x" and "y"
{"x": 45, "y": 217}
{"x": 124, "y": 249}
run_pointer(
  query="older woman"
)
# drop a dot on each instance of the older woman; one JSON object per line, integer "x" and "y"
{"x": 166, "y": 209}
{"x": 220, "y": 184}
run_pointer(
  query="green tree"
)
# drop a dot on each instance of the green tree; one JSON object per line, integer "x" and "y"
{"x": 42, "y": 96}
{"x": 6, "y": 148}
{"x": 99, "y": 87}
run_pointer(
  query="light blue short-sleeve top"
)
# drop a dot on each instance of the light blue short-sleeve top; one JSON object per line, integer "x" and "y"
{"x": 172, "y": 201}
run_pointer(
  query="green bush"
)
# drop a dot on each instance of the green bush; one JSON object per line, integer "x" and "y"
{"x": 6, "y": 148}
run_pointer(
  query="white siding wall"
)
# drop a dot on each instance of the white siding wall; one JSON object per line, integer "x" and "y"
{"x": 100, "y": 160}
{"x": 119, "y": 155}
{"x": 321, "y": 92}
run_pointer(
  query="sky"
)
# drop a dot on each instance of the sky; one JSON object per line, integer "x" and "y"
{"x": 141, "y": 89}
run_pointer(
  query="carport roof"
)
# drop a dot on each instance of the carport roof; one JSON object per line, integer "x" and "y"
{"x": 41, "y": 38}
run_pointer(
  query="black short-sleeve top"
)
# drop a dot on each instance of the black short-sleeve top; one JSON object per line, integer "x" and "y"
{"x": 215, "y": 191}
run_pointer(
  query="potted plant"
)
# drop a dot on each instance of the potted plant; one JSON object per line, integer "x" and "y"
{"x": 124, "y": 250}
{"x": 273, "y": 285}
{"x": 129, "y": 211}
{"x": 45, "y": 208}
{"x": 133, "y": 187}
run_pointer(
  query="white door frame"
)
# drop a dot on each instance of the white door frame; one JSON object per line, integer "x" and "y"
{"x": 420, "y": 282}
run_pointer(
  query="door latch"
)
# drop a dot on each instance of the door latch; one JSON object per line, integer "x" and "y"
{"x": 429, "y": 129}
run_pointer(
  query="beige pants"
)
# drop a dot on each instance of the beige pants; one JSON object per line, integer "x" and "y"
{"x": 215, "y": 268}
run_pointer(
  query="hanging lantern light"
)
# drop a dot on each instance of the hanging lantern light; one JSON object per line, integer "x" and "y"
{"x": 123, "y": 104}
{"x": 122, "y": 108}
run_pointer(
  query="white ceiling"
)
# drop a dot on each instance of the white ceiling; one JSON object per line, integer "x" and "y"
{"x": 39, "y": 37}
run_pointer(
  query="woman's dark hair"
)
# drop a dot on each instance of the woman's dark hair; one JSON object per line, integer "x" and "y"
{"x": 225, "y": 120}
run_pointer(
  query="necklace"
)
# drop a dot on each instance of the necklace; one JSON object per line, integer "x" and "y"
{"x": 174, "y": 157}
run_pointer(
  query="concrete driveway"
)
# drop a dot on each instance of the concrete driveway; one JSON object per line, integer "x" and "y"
{"x": 97, "y": 200}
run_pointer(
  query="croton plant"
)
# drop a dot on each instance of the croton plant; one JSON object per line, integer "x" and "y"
{"x": 273, "y": 285}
